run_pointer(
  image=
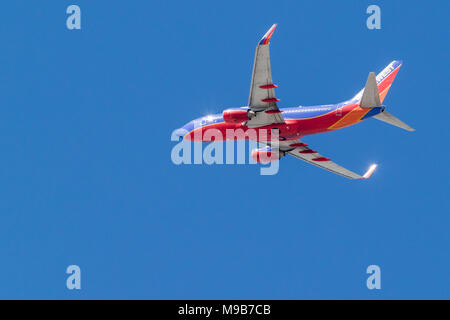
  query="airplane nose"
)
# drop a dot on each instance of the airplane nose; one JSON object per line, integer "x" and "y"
{"x": 180, "y": 132}
{"x": 184, "y": 131}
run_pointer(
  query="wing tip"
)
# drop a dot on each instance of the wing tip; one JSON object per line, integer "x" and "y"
{"x": 266, "y": 38}
{"x": 370, "y": 171}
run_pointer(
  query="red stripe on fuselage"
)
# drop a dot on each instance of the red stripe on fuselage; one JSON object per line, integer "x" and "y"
{"x": 292, "y": 129}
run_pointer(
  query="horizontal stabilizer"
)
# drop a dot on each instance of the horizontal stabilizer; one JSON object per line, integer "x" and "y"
{"x": 389, "y": 118}
{"x": 370, "y": 97}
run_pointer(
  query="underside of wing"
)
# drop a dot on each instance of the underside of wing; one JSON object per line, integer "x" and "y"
{"x": 262, "y": 99}
{"x": 301, "y": 151}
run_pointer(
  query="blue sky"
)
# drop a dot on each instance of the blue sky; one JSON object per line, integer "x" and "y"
{"x": 87, "y": 179}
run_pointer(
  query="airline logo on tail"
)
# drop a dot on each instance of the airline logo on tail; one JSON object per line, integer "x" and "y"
{"x": 384, "y": 80}
{"x": 386, "y": 71}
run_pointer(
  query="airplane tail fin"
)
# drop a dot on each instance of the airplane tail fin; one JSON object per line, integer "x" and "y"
{"x": 383, "y": 81}
{"x": 375, "y": 91}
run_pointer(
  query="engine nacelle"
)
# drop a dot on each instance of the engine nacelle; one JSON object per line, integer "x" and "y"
{"x": 237, "y": 115}
{"x": 266, "y": 155}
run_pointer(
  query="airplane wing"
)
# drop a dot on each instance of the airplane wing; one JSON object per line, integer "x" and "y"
{"x": 300, "y": 150}
{"x": 262, "y": 97}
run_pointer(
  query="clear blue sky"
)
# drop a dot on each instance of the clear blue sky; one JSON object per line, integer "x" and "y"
{"x": 86, "y": 176}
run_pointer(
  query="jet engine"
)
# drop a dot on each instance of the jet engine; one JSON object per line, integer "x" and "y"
{"x": 237, "y": 115}
{"x": 266, "y": 155}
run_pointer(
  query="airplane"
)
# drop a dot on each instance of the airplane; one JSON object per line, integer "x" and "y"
{"x": 288, "y": 125}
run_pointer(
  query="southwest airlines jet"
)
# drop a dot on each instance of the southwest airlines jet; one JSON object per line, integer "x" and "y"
{"x": 288, "y": 125}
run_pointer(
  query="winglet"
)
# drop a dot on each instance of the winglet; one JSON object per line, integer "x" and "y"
{"x": 266, "y": 38}
{"x": 369, "y": 172}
